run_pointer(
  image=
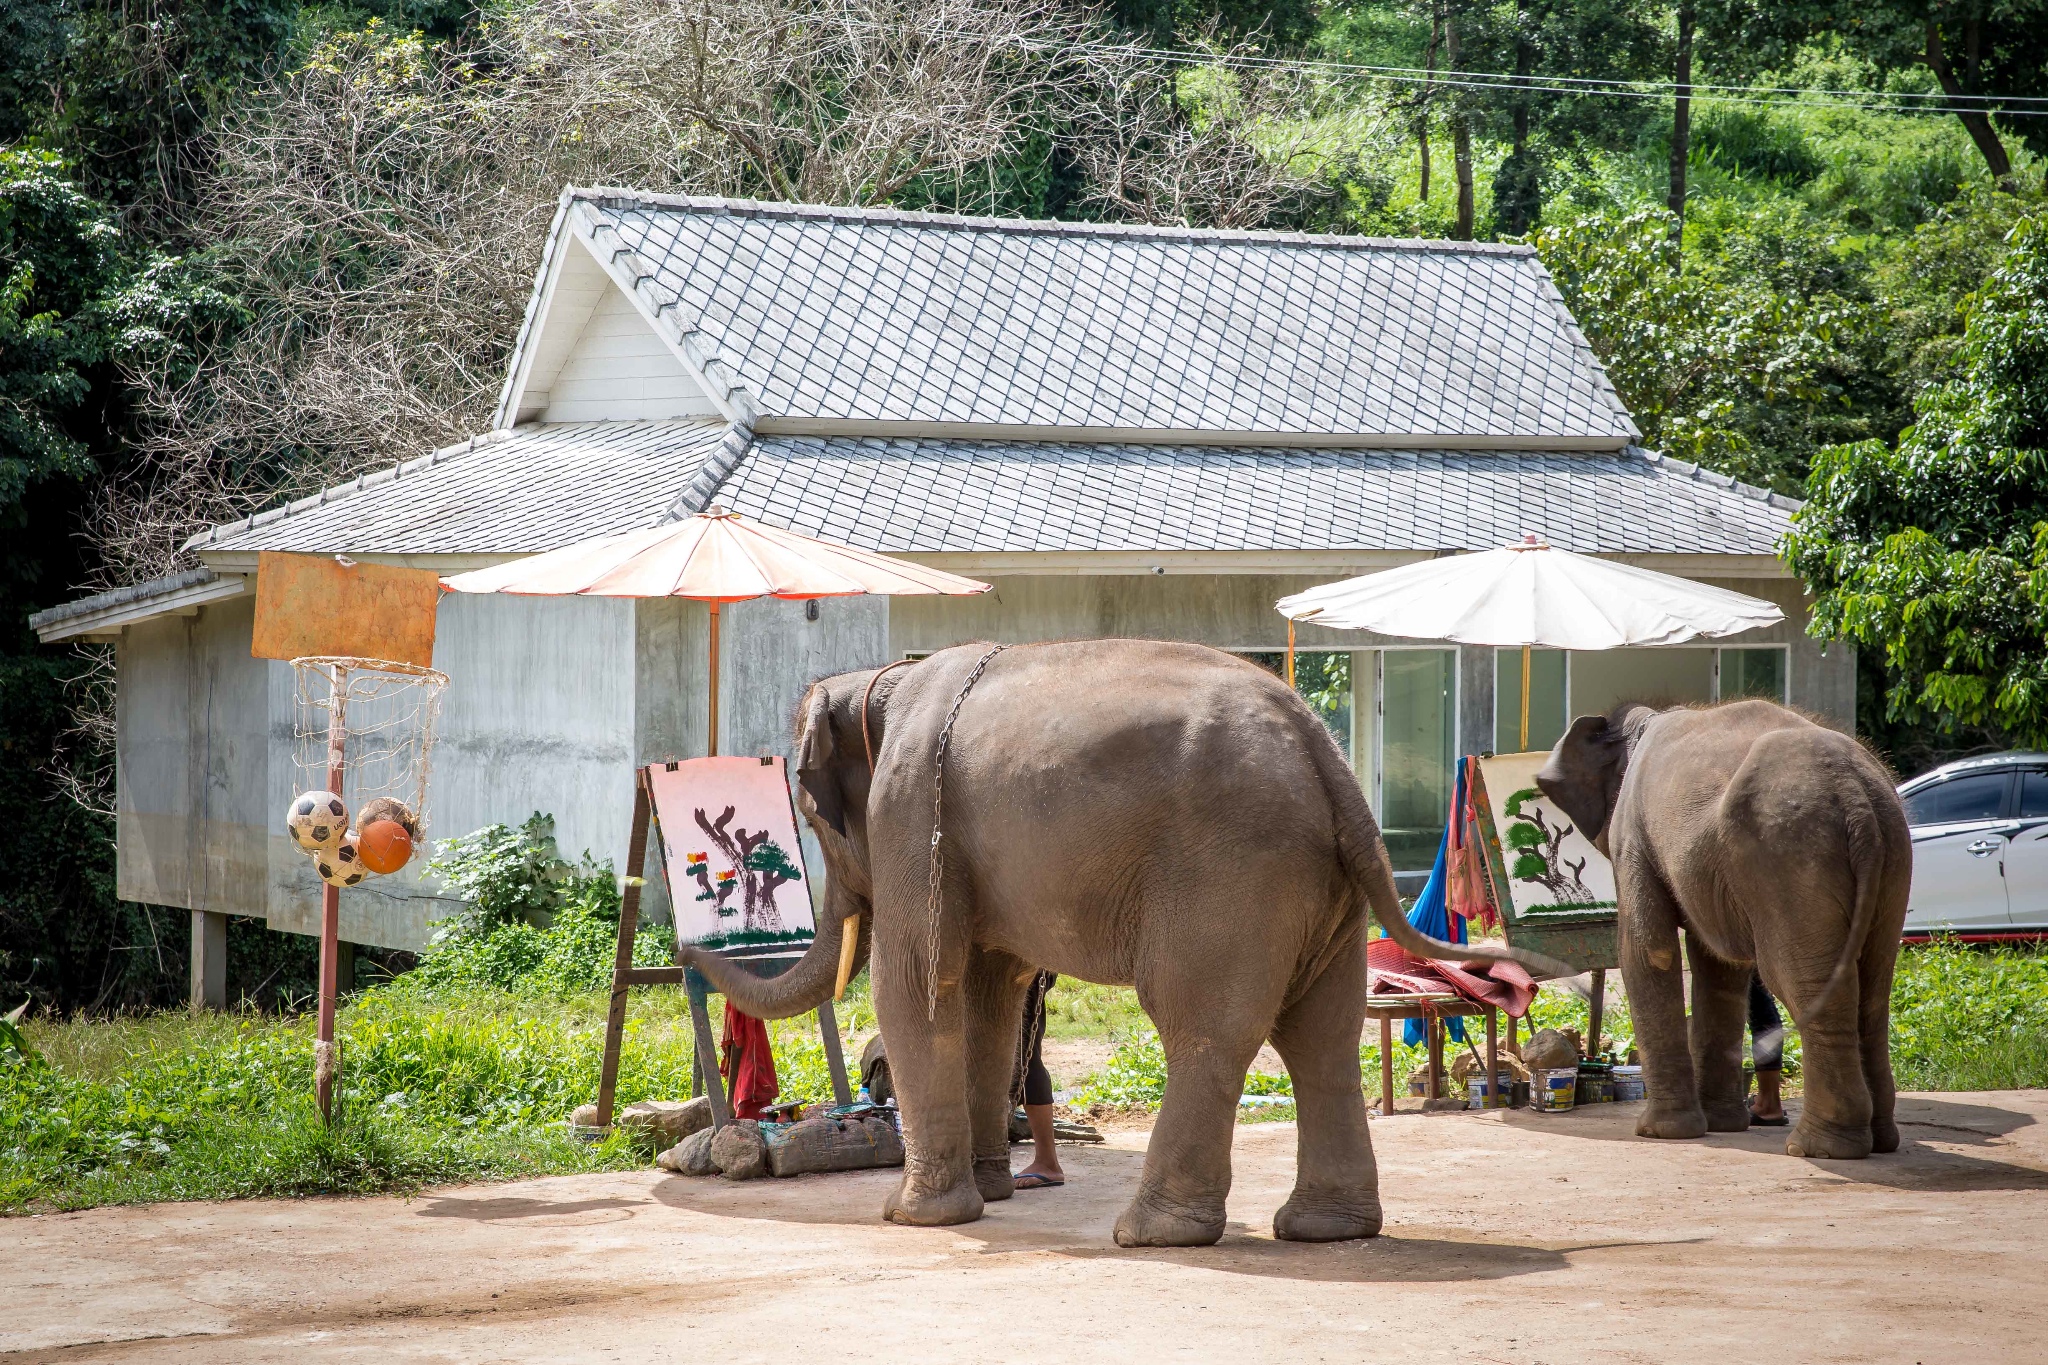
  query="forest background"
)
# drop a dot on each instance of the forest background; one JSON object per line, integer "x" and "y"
{"x": 250, "y": 247}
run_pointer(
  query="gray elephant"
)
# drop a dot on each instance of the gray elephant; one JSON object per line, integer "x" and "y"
{"x": 1770, "y": 840}
{"x": 1139, "y": 813}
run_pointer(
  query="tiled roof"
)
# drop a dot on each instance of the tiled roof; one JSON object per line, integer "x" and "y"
{"x": 541, "y": 487}
{"x": 833, "y": 315}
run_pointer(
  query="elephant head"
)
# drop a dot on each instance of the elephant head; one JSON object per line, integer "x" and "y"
{"x": 1583, "y": 775}
{"x": 832, "y": 791}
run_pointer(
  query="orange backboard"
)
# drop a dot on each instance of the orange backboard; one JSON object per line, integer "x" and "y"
{"x": 316, "y": 604}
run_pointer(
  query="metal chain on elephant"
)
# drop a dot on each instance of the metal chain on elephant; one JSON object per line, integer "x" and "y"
{"x": 931, "y": 1005}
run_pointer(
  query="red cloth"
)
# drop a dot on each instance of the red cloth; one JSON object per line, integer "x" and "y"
{"x": 1469, "y": 894}
{"x": 1394, "y": 972}
{"x": 748, "y": 1065}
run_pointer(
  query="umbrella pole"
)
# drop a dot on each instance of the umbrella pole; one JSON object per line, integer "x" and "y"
{"x": 1290, "y": 651}
{"x": 714, "y": 680}
{"x": 1525, "y": 699}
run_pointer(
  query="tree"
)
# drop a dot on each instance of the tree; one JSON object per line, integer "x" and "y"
{"x": 1933, "y": 551}
{"x": 1984, "y": 54}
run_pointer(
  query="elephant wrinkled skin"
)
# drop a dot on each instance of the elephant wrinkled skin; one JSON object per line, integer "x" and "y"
{"x": 1139, "y": 813}
{"x": 1770, "y": 840}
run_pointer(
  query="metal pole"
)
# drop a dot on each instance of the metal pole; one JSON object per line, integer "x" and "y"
{"x": 714, "y": 680}
{"x": 1290, "y": 651}
{"x": 1525, "y": 701}
{"x": 330, "y": 902}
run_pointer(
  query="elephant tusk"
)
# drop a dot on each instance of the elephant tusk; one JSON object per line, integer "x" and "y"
{"x": 849, "y": 939}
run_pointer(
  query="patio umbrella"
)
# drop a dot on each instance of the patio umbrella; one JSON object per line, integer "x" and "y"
{"x": 1528, "y": 594}
{"x": 714, "y": 557}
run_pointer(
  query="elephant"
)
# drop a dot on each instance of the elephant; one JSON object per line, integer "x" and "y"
{"x": 1772, "y": 840}
{"x": 1142, "y": 813}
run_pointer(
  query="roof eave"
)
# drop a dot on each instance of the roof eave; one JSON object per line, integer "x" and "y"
{"x": 103, "y": 616}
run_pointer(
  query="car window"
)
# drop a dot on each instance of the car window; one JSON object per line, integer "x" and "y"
{"x": 2034, "y": 793}
{"x": 1959, "y": 799}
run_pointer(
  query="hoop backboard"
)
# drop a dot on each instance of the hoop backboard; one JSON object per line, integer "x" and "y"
{"x": 323, "y": 605}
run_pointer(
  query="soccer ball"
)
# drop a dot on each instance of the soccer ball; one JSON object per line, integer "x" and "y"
{"x": 343, "y": 864}
{"x": 317, "y": 821}
{"x": 388, "y": 808}
{"x": 385, "y": 846}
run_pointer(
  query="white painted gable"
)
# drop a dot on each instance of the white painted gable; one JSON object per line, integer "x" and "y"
{"x": 598, "y": 359}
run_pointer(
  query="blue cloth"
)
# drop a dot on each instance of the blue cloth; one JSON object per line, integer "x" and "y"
{"x": 1432, "y": 913}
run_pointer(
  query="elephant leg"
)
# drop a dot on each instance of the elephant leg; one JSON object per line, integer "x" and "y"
{"x": 1835, "y": 1122}
{"x": 928, "y": 1068}
{"x": 1720, "y": 1000}
{"x": 994, "y": 1008}
{"x": 1656, "y": 1001}
{"x": 1336, "y": 1183}
{"x": 1874, "y": 987}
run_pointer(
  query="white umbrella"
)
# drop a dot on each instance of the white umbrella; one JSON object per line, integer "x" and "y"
{"x": 1525, "y": 595}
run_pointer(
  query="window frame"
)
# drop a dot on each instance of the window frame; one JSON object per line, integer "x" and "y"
{"x": 2006, "y": 804}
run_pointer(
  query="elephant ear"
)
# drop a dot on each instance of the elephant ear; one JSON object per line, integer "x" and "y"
{"x": 1583, "y": 774}
{"x": 816, "y": 772}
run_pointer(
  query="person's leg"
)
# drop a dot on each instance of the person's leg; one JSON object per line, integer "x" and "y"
{"x": 1767, "y": 1050}
{"x": 1038, "y": 1097}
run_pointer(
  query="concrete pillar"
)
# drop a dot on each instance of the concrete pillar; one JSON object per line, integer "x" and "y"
{"x": 209, "y": 960}
{"x": 344, "y": 966}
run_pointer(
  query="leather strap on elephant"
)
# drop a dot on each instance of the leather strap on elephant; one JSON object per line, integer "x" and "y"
{"x": 867, "y": 738}
{"x": 931, "y": 1006}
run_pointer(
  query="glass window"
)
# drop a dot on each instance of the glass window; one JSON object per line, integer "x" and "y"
{"x": 1658, "y": 677}
{"x": 1418, "y": 738}
{"x": 1546, "y": 700}
{"x": 1753, "y": 673}
{"x": 2033, "y": 794}
{"x": 1958, "y": 800}
{"x": 1323, "y": 677}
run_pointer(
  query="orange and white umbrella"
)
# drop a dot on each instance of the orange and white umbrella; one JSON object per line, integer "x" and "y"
{"x": 716, "y": 557}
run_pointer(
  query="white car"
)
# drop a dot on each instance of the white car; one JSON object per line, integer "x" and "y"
{"x": 1980, "y": 848}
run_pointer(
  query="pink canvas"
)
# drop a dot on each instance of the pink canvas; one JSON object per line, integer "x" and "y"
{"x": 729, "y": 848}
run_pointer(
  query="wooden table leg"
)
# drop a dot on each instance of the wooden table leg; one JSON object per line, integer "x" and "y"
{"x": 1493, "y": 1097}
{"x": 1386, "y": 1066}
{"x": 1432, "y": 1029}
{"x": 1596, "y": 1006}
{"x": 1514, "y": 1041}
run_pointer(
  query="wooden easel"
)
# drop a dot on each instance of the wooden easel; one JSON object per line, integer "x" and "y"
{"x": 625, "y": 976}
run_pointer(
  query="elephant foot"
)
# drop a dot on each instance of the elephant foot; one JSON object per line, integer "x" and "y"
{"x": 1728, "y": 1118}
{"x": 1884, "y": 1135}
{"x": 1313, "y": 1217}
{"x": 992, "y": 1177}
{"x": 1149, "y": 1225}
{"x": 1672, "y": 1123}
{"x": 923, "y": 1208}
{"x": 1822, "y": 1142}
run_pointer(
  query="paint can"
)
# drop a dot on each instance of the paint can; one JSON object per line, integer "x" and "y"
{"x": 1557, "y": 1091}
{"x": 1628, "y": 1084}
{"x": 1477, "y": 1096}
{"x": 1596, "y": 1083}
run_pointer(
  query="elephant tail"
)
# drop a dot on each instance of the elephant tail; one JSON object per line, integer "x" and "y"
{"x": 1870, "y": 848}
{"x": 1365, "y": 856}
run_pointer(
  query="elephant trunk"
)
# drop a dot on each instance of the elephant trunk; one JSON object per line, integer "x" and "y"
{"x": 799, "y": 990}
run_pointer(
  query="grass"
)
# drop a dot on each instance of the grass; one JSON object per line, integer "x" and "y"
{"x": 445, "y": 1083}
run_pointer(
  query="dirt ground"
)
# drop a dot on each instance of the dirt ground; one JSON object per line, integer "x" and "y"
{"x": 1510, "y": 1238}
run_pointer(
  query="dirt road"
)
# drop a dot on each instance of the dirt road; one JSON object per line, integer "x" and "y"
{"x": 1511, "y": 1238}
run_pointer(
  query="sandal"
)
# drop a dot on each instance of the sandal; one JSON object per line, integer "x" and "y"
{"x": 1756, "y": 1121}
{"x": 1036, "y": 1181}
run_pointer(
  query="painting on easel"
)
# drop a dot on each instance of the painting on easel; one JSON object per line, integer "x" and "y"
{"x": 729, "y": 846}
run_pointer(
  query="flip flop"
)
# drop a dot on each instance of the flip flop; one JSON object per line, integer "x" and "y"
{"x": 1778, "y": 1122}
{"x": 1036, "y": 1181}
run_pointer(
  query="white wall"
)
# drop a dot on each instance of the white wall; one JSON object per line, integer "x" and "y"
{"x": 619, "y": 370}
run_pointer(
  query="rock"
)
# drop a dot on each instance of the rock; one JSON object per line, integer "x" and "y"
{"x": 739, "y": 1151}
{"x": 585, "y": 1116}
{"x": 664, "y": 1123}
{"x": 691, "y": 1156}
{"x": 1549, "y": 1050}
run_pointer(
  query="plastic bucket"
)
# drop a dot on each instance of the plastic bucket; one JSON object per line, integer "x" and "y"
{"x": 1477, "y": 1095}
{"x": 1628, "y": 1084}
{"x": 1557, "y": 1091}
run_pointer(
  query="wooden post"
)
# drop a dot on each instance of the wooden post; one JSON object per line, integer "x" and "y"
{"x": 330, "y": 903}
{"x": 1596, "y": 1006}
{"x": 1493, "y": 1059}
{"x": 209, "y": 960}
{"x": 622, "y": 959}
{"x": 1386, "y": 1065}
{"x": 707, "y": 1049}
{"x": 1432, "y": 1029}
{"x": 1525, "y": 701}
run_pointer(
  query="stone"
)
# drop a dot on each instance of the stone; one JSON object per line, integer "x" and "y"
{"x": 691, "y": 1156}
{"x": 664, "y": 1123}
{"x": 1549, "y": 1050}
{"x": 739, "y": 1151}
{"x": 585, "y": 1116}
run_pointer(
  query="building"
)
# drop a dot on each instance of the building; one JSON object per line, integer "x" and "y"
{"x": 1129, "y": 431}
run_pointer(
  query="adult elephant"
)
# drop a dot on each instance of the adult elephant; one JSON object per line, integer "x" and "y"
{"x": 1770, "y": 840}
{"x": 1159, "y": 815}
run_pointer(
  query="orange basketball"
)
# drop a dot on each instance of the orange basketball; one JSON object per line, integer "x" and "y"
{"x": 384, "y": 846}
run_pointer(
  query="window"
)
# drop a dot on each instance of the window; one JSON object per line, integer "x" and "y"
{"x": 1658, "y": 677}
{"x": 2033, "y": 794}
{"x": 1418, "y": 743}
{"x": 1958, "y": 800}
{"x": 1753, "y": 673}
{"x": 1547, "y": 717}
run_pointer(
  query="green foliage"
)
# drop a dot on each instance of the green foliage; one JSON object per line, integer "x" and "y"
{"x": 1967, "y": 1018}
{"x": 1135, "y": 1077}
{"x": 1934, "y": 551}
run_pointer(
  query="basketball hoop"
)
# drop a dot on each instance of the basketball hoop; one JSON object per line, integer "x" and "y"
{"x": 363, "y": 732}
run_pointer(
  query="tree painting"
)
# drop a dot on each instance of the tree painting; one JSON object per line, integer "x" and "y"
{"x": 1538, "y": 850}
{"x": 765, "y": 863}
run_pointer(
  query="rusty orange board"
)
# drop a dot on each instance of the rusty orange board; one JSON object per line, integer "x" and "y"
{"x": 317, "y": 604}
